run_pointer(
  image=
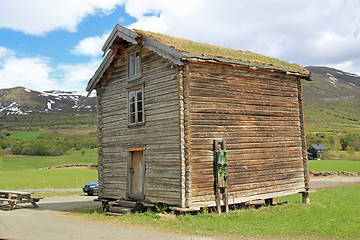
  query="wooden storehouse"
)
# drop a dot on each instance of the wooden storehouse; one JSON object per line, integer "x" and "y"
{"x": 164, "y": 103}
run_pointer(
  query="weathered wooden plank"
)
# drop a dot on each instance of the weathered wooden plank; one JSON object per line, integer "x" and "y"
{"x": 208, "y": 68}
{"x": 263, "y": 185}
{"x": 241, "y": 81}
{"x": 255, "y": 112}
{"x": 209, "y": 200}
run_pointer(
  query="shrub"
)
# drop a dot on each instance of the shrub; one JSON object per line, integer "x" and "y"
{"x": 328, "y": 155}
{"x": 26, "y": 149}
{"x": 56, "y": 150}
{"x": 17, "y": 147}
{"x": 350, "y": 150}
{"x": 39, "y": 148}
{"x": 4, "y": 144}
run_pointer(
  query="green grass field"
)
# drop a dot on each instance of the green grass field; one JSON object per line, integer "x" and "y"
{"x": 334, "y": 165}
{"x": 47, "y": 179}
{"x": 333, "y": 214}
{"x": 19, "y": 172}
{"x": 26, "y": 135}
{"x": 26, "y": 163}
{"x": 86, "y": 151}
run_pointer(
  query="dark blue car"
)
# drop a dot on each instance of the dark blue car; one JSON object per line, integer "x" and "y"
{"x": 91, "y": 188}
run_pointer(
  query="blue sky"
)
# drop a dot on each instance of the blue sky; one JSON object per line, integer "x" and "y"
{"x": 48, "y": 45}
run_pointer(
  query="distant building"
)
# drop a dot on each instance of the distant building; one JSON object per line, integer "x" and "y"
{"x": 316, "y": 151}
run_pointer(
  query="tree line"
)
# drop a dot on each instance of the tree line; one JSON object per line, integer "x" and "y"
{"x": 48, "y": 144}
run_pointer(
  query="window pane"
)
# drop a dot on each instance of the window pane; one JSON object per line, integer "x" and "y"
{"x": 140, "y": 117}
{"x": 132, "y": 97}
{"x": 132, "y": 107}
{"x": 131, "y": 65}
{"x": 137, "y": 63}
{"x": 139, "y": 95}
{"x": 132, "y": 118}
{"x": 139, "y": 106}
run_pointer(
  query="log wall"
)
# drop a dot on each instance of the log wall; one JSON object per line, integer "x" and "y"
{"x": 159, "y": 135}
{"x": 257, "y": 113}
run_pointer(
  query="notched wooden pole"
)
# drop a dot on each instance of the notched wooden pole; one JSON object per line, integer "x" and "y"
{"x": 305, "y": 197}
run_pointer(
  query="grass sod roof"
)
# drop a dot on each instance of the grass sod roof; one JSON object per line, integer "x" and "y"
{"x": 188, "y": 46}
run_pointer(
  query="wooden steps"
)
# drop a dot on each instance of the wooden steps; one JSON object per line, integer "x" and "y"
{"x": 121, "y": 210}
{"x": 121, "y": 206}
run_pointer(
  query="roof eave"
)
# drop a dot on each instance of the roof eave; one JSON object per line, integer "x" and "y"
{"x": 303, "y": 74}
{"x": 122, "y": 32}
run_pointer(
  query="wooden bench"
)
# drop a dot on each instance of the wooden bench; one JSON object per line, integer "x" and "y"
{"x": 15, "y": 197}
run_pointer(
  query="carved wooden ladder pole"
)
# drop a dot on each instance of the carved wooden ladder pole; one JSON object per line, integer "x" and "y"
{"x": 221, "y": 174}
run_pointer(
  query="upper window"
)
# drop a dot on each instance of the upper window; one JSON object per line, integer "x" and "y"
{"x": 134, "y": 63}
{"x": 136, "y": 107}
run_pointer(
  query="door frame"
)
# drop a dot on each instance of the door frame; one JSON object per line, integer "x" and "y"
{"x": 130, "y": 151}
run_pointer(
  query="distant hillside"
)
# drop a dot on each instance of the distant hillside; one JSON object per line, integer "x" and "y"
{"x": 23, "y": 101}
{"x": 332, "y": 103}
{"x": 332, "y": 100}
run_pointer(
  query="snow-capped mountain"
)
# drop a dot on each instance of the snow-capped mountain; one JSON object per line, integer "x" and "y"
{"x": 23, "y": 101}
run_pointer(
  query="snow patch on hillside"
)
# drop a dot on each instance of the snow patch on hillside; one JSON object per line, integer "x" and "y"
{"x": 352, "y": 84}
{"x": 49, "y": 103}
{"x": 332, "y": 79}
{"x": 12, "y": 109}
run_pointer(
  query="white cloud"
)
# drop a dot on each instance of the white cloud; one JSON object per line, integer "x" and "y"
{"x": 41, "y": 16}
{"x": 90, "y": 46}
{"x": 304, "y": 31}
{"x": 76, "y": 77}
{"x": 32, "y": 72}
{"x": 39, "y": 73}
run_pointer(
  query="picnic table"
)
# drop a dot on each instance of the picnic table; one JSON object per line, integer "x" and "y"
{"x": 15, "y": 197}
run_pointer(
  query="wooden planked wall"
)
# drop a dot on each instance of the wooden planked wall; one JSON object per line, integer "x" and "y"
{"x": 257, "y": 114}
{"x": 160, "y": 134}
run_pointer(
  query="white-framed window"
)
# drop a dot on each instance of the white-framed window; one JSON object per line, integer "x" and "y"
{"x": 134, "y": 64}
{"x": 136, "y": 107}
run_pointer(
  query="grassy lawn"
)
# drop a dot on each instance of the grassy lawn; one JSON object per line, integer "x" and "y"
{"x": 334, "y": 165}
{"x": 25, "y": 135}
{"x": 333, "y": 214}
{"x": 47, "y": 179}
{"x": 25, "y": 163}
{"x": 78, "y": 152}
{"x": 19, "y": 172}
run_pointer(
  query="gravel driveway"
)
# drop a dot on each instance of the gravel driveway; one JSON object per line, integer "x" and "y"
{"x": 47, "y": 222}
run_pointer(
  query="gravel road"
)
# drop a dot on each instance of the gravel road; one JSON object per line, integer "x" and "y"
{"x": 320, "y": 183}
{"x": 47, "y": 222}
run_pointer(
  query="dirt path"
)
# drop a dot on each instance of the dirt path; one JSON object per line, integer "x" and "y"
{"x": 320, "y": 183}
{"x": 47, "y": 222}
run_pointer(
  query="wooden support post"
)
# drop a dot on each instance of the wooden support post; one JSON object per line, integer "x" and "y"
{"x": 269, "y": 202}
{"x": 218, "y": 200}
{"x": 305, "y": 198}
{"x": 226, "y": 200}
{"x": 217, "y": 189}
{"x": 221, "y": 190}
{"x": 225, "y": 196}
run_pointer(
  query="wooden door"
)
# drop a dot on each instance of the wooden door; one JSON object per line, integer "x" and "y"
{"x": 136, "y": 175}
